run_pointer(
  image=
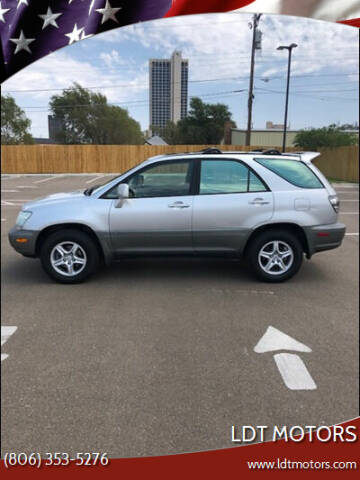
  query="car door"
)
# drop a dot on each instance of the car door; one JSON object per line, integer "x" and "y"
{"x": 231, "y": 201}
{"x": 157, "y": 217}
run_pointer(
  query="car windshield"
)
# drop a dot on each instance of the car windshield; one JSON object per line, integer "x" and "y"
{"x": 95, "y": 188}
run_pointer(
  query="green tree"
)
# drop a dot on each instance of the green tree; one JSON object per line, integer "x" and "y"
{"x": 14, "y": 123}
{"x": 350, "y": 126}
{"x": 170, "y": 133}
{"x": 204, "y": 125}
{"x": 326, "y": 137}
{"x": 86, "y": 117}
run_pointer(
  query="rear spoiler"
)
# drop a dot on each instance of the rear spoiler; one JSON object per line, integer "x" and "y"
{"x": 308, "y": 157}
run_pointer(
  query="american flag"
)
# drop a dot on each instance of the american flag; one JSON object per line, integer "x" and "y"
{"x": 31, "y": 29}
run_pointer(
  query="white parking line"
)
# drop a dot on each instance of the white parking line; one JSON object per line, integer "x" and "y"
{"x": 294, "y": 372}
{"x": 242, "y": 292}
{"x": 15, "y": 202}
{"x": 9, "y": 191}
{"x": 3, "y": 219}
{"x": 351, "y": 234}
{"x": 347, "y": 192}
{"x": 94, "y": 179}
{"x": 349, "y": 213}
{"x": 27, "y": 186}
{"x": 6, "y": 333}
{"x": 54, "y": 177}
{"x": 342, "y": 201}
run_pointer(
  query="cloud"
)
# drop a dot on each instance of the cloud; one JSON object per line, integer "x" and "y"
{"x": 113, "y": 58}
{"x": 217, "y": 46}
{"x": 221, "y": 43}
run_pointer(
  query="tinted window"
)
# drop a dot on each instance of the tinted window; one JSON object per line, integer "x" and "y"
{"x": 169, "y": 179}
{"x": 223, "y": 176}
{"x": 255, "y": 184}
{"x": 293, "y": 171}
{"x": 228, "y": 176}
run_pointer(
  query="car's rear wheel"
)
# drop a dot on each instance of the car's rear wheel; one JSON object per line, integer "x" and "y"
{"x": 69, "y": 256}
{"x": 275, "y": 255}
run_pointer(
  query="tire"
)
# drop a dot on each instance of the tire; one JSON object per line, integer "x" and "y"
{"x": 69, "y": 256}
{"x": 280, "y": 247}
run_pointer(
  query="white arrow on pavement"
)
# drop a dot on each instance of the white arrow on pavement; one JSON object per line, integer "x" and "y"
{"x": 6, "y": 333}
{"x": 273, "y": 339}
{"x": 294, "y": 372}
{"x": 292, "y": 369}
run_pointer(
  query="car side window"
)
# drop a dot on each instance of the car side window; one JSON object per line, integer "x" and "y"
{"x": 255, "y": 184}
{"x": 228, "y": 176}
{"x": 170, "y": 179}
{"x": 293, "y": 171}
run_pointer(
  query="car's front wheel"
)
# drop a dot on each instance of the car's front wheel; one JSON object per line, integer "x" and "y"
{"x": 275, "y": 255}
{"x": 69, "y": 256}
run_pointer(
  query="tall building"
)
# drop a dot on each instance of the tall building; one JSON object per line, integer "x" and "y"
{"x": 55, "y": 127}
{"x": 168, "y": 88}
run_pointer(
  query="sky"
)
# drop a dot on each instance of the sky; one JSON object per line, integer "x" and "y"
{"x": 324, "y": 70}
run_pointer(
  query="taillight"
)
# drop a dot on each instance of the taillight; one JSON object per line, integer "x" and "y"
{"x": 335, "y": 202}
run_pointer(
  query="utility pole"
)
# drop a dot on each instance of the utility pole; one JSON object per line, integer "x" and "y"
{"x": 253, "y": 25}
{"x": 289, "y": 49}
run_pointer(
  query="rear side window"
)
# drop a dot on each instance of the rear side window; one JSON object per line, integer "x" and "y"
{"x": 255, "y": 184}
{"x": 293, "y": 171}
{"x": 228, "y": 176}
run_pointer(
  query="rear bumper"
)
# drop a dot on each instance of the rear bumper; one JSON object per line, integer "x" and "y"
{"x": 23, "y": 241}
{"x": 324, "y": 237}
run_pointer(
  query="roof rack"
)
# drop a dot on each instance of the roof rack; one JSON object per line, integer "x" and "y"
{"x": 210, "y": 150}
{"x": 271, "y": 151}
{"x": 205, "y": 151}
{"x": 217, "y": 151}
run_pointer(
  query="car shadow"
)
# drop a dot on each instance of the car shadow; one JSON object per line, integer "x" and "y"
{"x": 22, "y": 271}
{"x": 175, "y": 268}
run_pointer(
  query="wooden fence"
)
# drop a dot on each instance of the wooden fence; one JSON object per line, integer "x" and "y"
{"x": 340, "y": 163}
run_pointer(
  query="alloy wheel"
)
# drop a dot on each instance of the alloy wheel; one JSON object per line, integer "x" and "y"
{"x": 68, "y": 258}
{"x": 276, "y": 257}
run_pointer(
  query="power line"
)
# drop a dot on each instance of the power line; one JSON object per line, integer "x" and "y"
{"x": 305, "y": 94}
{"x": 125, "y": 85}
{"x": 219, "y": 79}
{"x": 145, "y": 102}
{"x": 130, "y": 102}
{"x": 230, "y": 93}
{"x": 315, "y": 91}
{"x": 211, "y": 62}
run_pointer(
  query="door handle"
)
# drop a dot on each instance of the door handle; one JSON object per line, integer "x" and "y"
{"x": 259, "y": 201}
{"x": 178, "y": 205}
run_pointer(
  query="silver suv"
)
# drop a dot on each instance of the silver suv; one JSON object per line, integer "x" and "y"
{"x": 269, "y": 207}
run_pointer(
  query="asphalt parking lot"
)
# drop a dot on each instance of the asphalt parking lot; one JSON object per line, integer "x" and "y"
{"x": 153, "y": 357}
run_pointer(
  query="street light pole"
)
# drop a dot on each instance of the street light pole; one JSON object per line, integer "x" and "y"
{"x": 254, "y": 25}
{"x": 289, "y": 48}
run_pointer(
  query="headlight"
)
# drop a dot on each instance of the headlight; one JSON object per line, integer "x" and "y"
{"x": 22, "y": 218}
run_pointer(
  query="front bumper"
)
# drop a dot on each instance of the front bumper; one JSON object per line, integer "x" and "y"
{"x": 324, "y": 237}
{"x": 23, "y": 241}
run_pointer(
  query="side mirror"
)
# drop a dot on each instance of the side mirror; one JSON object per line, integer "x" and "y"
{"x": 122, "y": 193}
